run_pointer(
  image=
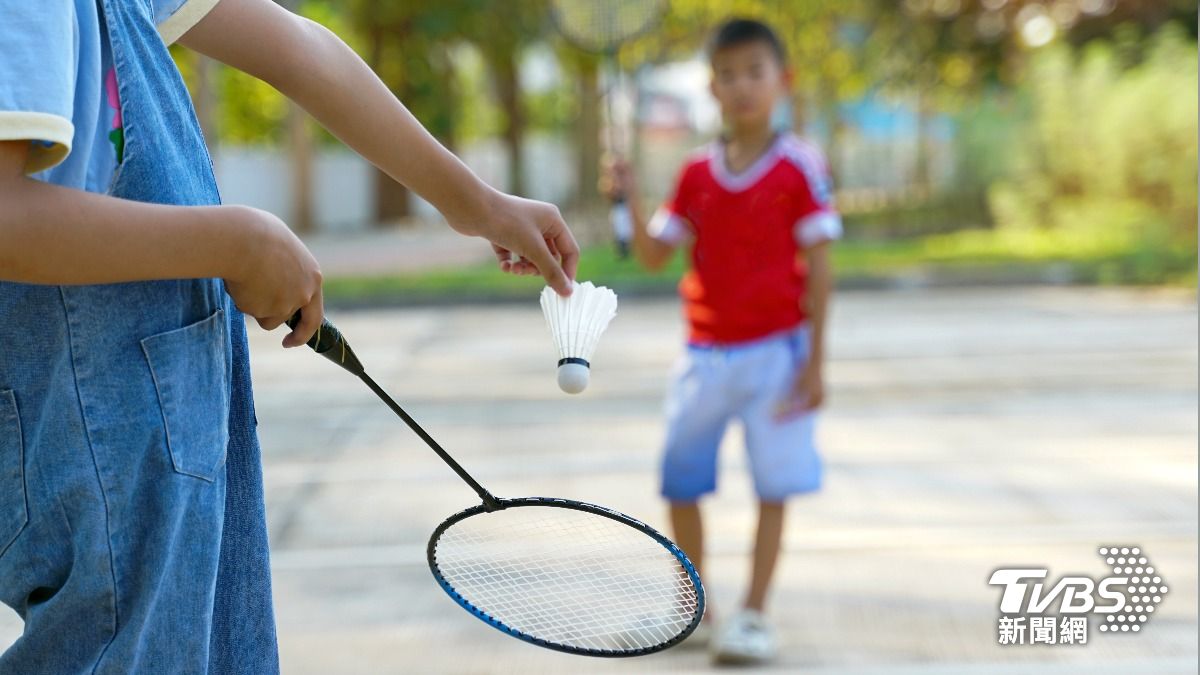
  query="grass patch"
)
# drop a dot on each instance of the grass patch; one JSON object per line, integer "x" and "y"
{"x": 963, "y": 254}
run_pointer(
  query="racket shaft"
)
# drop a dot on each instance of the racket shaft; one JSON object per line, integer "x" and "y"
{"x": 329, "y": 342}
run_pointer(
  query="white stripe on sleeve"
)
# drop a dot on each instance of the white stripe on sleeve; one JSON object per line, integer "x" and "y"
{"x": 669, "y": 228}
{"x": 818, "y": 227}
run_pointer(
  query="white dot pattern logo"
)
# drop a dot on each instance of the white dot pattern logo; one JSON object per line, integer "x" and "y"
{"x": 1140, "y": 599}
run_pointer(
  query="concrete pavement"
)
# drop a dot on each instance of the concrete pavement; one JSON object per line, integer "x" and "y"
{"x": 966, "y": 430}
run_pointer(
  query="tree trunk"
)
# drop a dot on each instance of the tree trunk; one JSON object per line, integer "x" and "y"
{"x": 588, "y": 167}
{"x": 301, "y": 154}
{"x": 391, "y": 198}
{"x": 508, "y": 89}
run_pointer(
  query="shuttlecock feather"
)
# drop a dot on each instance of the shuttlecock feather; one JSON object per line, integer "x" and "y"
{"x": 576, "y": 322}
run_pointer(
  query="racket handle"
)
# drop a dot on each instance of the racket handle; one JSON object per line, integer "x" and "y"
{"x": 622, "y": 224}
{"x": 328, "y": 342}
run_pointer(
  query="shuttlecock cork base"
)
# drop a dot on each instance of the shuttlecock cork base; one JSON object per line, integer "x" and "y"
{"x": 576, "y": 323}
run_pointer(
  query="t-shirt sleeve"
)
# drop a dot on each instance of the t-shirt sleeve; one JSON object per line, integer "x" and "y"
{"x": 669, "y": 224}
{"x": 176, "y": 17}
{"x": 818, "y": 220}
{"x": 37, "y": 78}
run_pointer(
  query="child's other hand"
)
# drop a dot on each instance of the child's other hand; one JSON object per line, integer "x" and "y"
{"x": 528, "y": 237}
{"x": 807, "y": 394}
{"x": 616, "y": 178}
{"x": 275, "y": 276}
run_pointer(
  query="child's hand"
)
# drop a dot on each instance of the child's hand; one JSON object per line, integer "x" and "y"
{"x": 528, "y": 237}
{"x": 616, "y": 178}
{"x": 276, "y": 277}
{"x": 807, "y": 394}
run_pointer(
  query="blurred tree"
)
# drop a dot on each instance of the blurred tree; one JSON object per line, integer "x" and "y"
{"x": 584, "y": 70}
{"x": 966, "y": 57}
{"x": 1109, "y": 150}
{"x": 946, "y": 53}
{"x": 502, "y": 44}
{"x": 825, "y": 51}
{"x": 300, "y": 151}
{"x": 409, "y": 45}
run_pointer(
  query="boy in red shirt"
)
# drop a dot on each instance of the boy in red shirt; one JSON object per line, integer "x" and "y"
{"x": 754, "y": 209}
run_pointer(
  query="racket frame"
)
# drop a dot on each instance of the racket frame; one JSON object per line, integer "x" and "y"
{"x": 593, "y": 509}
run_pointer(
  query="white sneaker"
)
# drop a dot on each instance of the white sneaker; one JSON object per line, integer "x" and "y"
{"x": 745, "y": 639}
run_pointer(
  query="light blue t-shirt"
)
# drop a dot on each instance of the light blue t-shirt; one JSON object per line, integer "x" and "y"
{"x": 58, "y": 88}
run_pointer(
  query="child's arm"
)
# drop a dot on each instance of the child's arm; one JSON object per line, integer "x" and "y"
{"x": 820, "y": 287}
{"x": 56, "y": 235}
{"x": 651, "y": 252}
{"x": 313, "y": 67}
{"x": 808, "y": 392}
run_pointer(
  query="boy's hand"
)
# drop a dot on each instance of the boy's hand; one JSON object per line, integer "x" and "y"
{"x": 528, "y": 237}
{"x": 616, "y": 178}
{"x": 275, "y": 276}
{"x": 807, "y": 394}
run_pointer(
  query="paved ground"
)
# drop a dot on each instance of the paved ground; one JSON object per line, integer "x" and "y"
{"x": 968, "y": 430}
{"x": 415, "y": 247}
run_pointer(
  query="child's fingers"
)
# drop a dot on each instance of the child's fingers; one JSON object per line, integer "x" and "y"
{"x": 567, "y": 248}
{"x": 785, "y": 410}
{"x": 311, "y": 316}
{"x": 815, "y": 400}
{"x": 270, "y": 323}
{"x": 794, "y": 405}
{"x": 504, "y": 257}
{"x": 549, "y": 268}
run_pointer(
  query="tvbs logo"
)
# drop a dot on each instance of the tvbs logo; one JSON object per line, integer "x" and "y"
{"x": 1125, "y": 599}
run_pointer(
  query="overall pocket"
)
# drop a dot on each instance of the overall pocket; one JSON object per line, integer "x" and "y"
{"x": 14, "y": 509}
{"x": 191, "y": 371}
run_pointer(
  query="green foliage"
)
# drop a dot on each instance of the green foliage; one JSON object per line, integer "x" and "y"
{"x": 1108, "y": 157}
{"x": 249, "y": 110}
{"x": 480, "y": 118}
{"x": 984, "y": 135}
{"x": 827, "y": 59}
{"x": 553, "y": 109}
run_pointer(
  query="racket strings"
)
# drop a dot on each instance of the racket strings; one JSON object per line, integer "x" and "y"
{"x": 602, "y": 25}
{"x": 569, "y": 578}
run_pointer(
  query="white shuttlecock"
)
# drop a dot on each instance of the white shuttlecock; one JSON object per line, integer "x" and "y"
{"x": 576, "y": 323}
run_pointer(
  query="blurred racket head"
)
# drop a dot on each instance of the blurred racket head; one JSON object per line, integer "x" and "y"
{"x": 568, "y": 576}
{"x": 600, "y": 26}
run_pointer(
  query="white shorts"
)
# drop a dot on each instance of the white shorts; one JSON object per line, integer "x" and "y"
{"x": 712, "y": 386}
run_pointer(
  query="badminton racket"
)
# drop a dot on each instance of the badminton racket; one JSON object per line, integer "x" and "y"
{"x": 601, "y": 27}
{"x": 558, "y": 573}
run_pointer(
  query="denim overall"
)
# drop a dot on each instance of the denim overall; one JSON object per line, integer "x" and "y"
{"x": 132, "y": 527}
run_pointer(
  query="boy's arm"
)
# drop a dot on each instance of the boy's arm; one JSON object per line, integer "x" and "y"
{"x": 808, "y": 391}
{"x": 312, "y": 66}
{"x": 820, "y": 287}
{"x": 650, "y": 251}
{"x": 56, "y": 235}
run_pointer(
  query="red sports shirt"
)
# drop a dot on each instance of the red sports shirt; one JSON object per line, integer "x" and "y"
{"x": 746, "y": 230}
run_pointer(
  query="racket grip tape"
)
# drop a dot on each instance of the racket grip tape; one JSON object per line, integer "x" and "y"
{"x": 328, "y": 342}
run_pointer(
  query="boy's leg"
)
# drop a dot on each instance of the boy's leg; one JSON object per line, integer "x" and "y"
{"x": 783, "y": 456}
{"x": 696, "y": 419}
{"x": 688, "y": 530}
{"x": 783, "y": 462}
{"x": 766, "y": 552}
